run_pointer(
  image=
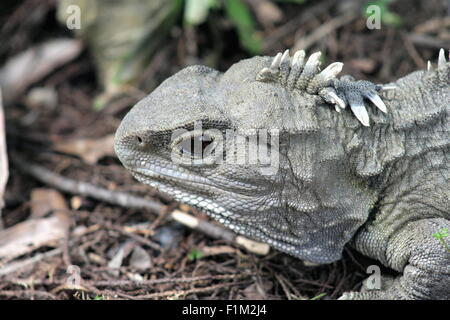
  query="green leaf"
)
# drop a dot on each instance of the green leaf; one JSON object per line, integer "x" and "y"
{"x": 387, "y": 17}
{"x": 441, "y": 234}
{"x": 195, "y": 254}
{"x": 437, "y": 235}
{"x": 391, "y": 19}
{"x": 238, "y": 12}
{"x": 319, "y": 296}
{"x": 444, "y": 232}
{"x": 196, "y": 11}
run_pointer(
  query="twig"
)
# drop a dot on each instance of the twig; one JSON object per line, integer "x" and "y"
{"x": 275, "y": 37}
{"x": 130, "y": 284}
{"x": 324, "y": 30}
{"x": 354, "y": 260}
{"x": 183, "y": 293}
{"x": 432, "y": 25}
{"x": 218, "y": 232}
{"x": 124, "y": 283}
{"x": 428, "y": 41}
{"x": 85, "y": 189}
{"x": 136, "y": 237}
{"x": 214, "y": 231}
{"x": 286, "y": 290}
{"x": 288, "y": 287}
{"x": 420, "y": 63}
{"x": 27, "y": 262}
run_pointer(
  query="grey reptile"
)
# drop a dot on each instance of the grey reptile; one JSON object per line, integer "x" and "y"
{"x": 379, "y": 184}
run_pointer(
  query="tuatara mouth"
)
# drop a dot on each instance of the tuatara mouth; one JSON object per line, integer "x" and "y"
{"x": 170, "y": 175}
{"x": 205, "y": 204}
{"x": 188, "y": 179}
{"x": 237, "y": 221}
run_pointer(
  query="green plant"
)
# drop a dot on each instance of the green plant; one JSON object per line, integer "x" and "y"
{"x": 237, "y": 11}
{"x": 239, "y": 14}
{"x": 440, "y": 236}
{"x": 319, "y": 296}
{"x": 195, "y": 254}
{"x": 387, "y": 17}
{"x": 196, "y": 12}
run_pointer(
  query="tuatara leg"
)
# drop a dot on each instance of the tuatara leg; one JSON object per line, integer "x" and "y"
{"x": 420, "y": 251}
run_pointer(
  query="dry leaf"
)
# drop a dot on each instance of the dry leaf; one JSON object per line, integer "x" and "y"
{"x": 29, "y": 235}
{"x": 140, "y": 259}
{"x": 90, "y": 150}
{"x": 257, "y": 291}
{"x": 116, "y": 262}
{"x": 44, "y": 201}
{"x": 35, "y": 63}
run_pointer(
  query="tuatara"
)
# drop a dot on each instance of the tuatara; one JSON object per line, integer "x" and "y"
{"x": 262, "y": 149}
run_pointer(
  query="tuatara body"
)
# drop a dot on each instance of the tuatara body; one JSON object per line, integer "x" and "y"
{"x": 262, "y": 149}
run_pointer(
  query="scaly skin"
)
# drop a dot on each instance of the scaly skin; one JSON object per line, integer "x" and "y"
{"x": 380, "y": 184}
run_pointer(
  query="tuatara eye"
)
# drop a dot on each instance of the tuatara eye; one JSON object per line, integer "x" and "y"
{"x": 195, "y": 145}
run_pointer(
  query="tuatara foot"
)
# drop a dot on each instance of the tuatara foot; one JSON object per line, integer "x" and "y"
{"x": 420, "y": 252}
{"x": 305, "y": 75}
{"x": 353, "y": 93}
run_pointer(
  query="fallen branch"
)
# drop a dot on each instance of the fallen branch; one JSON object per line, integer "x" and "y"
{"x": 218, "y": 232}
{"x": 131, "y": 284}
{"x": 85, "y": 189}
